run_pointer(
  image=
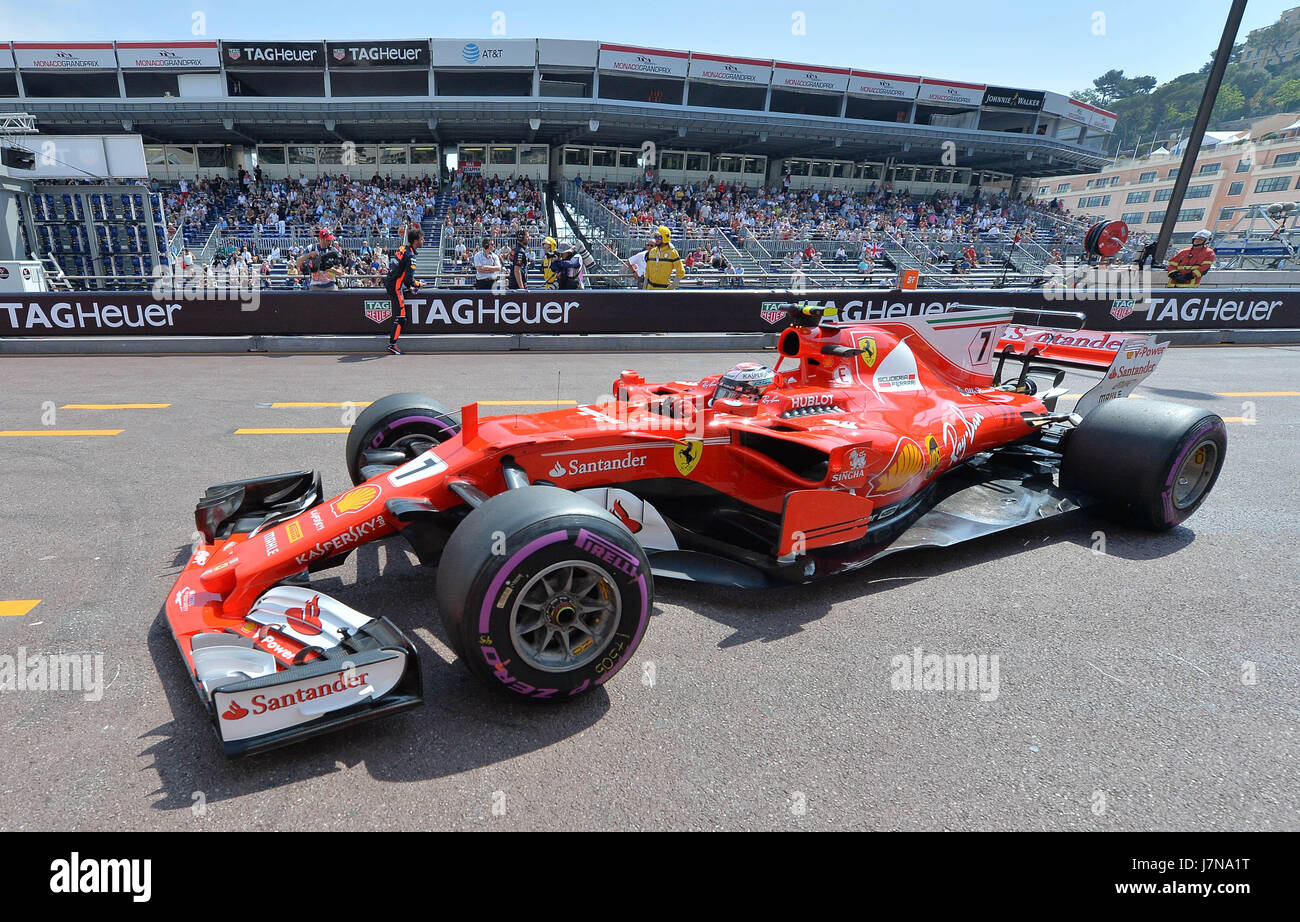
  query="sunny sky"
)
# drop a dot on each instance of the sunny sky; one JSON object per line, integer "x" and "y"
{"x": 1055, "y": 45}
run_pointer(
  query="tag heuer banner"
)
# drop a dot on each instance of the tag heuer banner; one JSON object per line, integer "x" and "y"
{"x": 400, "y": 53}
{"x": 86, "y": 313}
{"x": 273, "y": 54}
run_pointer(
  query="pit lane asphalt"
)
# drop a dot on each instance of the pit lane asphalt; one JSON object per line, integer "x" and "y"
{"x": 1122, "y": 703}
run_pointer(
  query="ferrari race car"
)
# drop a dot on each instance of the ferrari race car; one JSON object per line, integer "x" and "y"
{"x": 547, "y": 530}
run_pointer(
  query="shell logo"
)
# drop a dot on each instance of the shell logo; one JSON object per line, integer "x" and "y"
{"x": 355, "y": 500}
{"x": 908, "y": 461}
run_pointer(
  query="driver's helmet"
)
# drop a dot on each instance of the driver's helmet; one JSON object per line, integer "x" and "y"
{"x": 746, "y": 381}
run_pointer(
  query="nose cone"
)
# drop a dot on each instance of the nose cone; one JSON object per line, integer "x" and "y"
{"x": 221, "y": 578}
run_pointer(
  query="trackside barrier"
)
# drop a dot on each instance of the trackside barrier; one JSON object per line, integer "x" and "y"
{"x": 361, "y": 312}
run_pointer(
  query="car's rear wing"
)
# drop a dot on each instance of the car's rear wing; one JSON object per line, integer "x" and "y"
{"x": 1058, "y": 337}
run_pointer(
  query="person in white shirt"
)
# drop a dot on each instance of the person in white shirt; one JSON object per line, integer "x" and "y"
{"x": 636, "y": 263}
{"x": 487, "y": 264}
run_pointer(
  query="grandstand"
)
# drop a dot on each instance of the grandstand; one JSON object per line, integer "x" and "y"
{"x": 802, "y": 170}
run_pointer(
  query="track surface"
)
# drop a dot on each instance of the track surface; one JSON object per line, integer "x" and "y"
{"x": 1121, "y": 699}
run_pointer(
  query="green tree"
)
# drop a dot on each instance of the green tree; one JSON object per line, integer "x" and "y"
{"x": 1108, "y": 86}
{"x": 1288, "y": 95}
{"x": 1230, "y": 104}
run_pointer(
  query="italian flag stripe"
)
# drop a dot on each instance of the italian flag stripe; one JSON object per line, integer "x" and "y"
{"x": 969, "y": 319}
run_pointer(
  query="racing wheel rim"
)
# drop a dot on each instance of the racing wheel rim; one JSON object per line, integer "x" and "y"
{"x": 565, "y": 616}
{"x": 1195, "y": 474}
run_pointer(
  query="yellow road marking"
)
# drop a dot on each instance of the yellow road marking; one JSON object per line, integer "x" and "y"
{"x": 1238, "y": 419}
{"x": 115, "y": 406}
{"x": 353, "y": 403}
{"x": 365, "y": 403}
{"x": 16, "y": 608}
{"x": 527, "y": 403}
{"x": 321, "y": 430}
{"x": 33, "y": 432}
{"x": 1261, "y": 394}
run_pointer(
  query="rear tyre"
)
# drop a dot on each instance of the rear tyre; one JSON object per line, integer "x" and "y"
{"x": 410, "y": 424}
{"x": 1151, "y": 462}
{"x": 543, "y": 593}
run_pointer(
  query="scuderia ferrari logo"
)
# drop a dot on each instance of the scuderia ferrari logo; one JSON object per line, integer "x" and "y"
{"x": 686, "y": 455}
{"x": 868, "y": 346}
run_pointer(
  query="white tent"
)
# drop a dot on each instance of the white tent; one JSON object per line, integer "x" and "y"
{"x": 1215, "y": 139}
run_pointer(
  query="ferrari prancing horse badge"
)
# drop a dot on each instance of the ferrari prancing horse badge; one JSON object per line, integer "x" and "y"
{"x": 686, "y": 455}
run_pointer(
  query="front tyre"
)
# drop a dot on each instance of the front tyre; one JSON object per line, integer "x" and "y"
{"x": 543, "y": 593}
{"x": 396, "y": 429}
{"x": 1150, "y": 461}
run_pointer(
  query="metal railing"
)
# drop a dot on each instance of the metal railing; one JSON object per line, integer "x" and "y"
{"x": 815, "y": 276}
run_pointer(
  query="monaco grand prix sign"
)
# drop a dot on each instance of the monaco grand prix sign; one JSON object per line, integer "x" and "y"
{"x": 363, "y": 312}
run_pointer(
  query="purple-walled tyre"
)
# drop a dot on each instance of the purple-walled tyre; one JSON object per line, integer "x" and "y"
{"x": 544, "y": 594}
{"x": 1149, "y": 461}
{"x": 406, "y": 423}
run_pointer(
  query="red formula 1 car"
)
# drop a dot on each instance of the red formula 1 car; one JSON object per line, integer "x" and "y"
{"x": 547, "y": 530}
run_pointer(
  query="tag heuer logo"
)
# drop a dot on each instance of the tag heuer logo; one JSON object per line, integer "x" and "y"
{"x": 234, "y": 54}
{"x": 379, "y": 311}
{"x": 1120, "y": 308}
{"x": 339, "y": 54}
{"x": 772, "y": 312}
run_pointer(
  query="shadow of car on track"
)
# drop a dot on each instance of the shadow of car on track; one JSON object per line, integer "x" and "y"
{"x": 1174, "y": 393}
{"x": 462, "y": 726}
{"x": 775, "y": 614}
{"x": 465, "y": 725}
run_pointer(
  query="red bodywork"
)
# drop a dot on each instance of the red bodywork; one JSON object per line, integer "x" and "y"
{"x": 882, "y": 444}
{"x": 836, "y": 437}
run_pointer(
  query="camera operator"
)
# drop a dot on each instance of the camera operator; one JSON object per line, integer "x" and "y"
{"x": 561, "y": 269}
{"x": 324, "y": 262}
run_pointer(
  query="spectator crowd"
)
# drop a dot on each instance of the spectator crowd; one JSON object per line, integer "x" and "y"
{"x": 943, "y": 227}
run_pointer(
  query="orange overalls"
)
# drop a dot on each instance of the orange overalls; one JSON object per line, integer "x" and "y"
{"x": 1196, "y": 260}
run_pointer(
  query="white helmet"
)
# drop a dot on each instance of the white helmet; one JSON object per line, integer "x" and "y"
{"x": 746, "y": 381}
{"x": 1202, "y": 234}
